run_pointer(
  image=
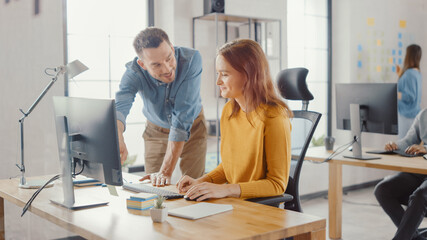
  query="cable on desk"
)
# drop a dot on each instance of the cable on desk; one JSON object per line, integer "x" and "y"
{"x": 338, "y": 151}
{"x": 74, "y": 168}
{"x": 28, "y": 204}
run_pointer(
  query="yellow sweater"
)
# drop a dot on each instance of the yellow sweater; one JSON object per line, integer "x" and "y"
{"x": 256, "y": 157}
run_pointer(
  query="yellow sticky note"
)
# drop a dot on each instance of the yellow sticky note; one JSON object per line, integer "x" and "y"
{"x": 379, "y": 42}
{"x": 390, "y": 60}
{"x": 112, "y": 189}
{"x": 402, "y": 23}
{"x": 378, "y": 68}
{"x": 371, "y": 21}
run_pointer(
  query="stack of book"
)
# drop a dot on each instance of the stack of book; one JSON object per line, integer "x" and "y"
{"x": 141, "y": 201}
{"x": 82, "y": 181}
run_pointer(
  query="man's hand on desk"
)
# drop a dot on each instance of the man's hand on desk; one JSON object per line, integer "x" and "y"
{"x": 390, "y": 146}
{"x": 416, "y": 150}
{"x": 157, "y": 179}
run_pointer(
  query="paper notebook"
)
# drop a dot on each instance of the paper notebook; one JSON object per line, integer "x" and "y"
{"x": 200, "y": 210}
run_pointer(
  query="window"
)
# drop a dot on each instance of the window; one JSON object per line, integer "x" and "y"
{"x": 308, "y": 47}
{"x": 100, "y": 34}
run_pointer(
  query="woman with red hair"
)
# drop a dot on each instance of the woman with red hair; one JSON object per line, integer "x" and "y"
{"x": 255, "y": 130}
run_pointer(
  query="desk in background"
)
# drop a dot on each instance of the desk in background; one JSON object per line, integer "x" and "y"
{"x": 387, "y": 162}
{"x": 247, "y": 220}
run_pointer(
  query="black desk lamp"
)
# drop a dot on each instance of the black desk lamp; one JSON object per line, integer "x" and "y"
{"x": 72, "y": 69}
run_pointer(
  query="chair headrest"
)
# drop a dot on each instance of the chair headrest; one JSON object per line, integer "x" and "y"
{"x": 292, "y": 85}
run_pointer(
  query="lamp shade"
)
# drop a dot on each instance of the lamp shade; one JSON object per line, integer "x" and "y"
{"x": 74, "y": 68}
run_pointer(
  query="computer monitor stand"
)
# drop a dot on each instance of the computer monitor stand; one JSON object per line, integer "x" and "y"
{"x": 69, "y": 199}
{"x": 356, "y": 133}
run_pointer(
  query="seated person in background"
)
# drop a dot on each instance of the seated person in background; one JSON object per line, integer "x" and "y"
{"x": 406, "y": 188}
{"x": 255, "y": 130}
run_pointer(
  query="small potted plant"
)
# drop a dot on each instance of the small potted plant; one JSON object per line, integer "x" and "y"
{"x": 159, "y": 212}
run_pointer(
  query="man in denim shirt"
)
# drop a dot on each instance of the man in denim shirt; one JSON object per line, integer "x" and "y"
{"x": 168, "y": 80}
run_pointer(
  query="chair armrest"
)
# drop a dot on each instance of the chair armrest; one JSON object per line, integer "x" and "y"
{"x": 274, "y": 201}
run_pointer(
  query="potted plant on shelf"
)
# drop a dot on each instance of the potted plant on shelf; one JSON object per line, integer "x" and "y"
{"x": 159, "y": 212}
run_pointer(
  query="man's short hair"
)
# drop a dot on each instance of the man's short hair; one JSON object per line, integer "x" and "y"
{"x": 150, "y": 37}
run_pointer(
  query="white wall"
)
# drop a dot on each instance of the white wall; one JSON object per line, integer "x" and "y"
{"x": 387, "y": 14}
{"x": 346, "y": 14}
{"x": 29, "y": 44}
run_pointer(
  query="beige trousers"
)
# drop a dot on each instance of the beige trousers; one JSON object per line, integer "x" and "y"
{"x": 193, "y": 156}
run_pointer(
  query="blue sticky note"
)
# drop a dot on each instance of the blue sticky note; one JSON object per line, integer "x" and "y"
{"x": 393, "y": 69}
{"x": 394, "y": 60}
{"x": 359, "y": 48}
{"x": 359, "y": 64}
{"x": 400, "y": 52}
{"x": 399, "y": 35}
{"x": 400, "y": 61}
{"x": 400, "y": 44}
{"x": 393, "y": 52}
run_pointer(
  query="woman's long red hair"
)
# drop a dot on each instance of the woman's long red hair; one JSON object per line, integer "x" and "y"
{"x": 247, "y": 57}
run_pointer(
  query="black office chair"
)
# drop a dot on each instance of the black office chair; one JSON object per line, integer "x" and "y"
{"x": 292, "y": 86}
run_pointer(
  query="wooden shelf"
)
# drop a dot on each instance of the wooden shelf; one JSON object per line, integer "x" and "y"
{"x": 230, "y": 18}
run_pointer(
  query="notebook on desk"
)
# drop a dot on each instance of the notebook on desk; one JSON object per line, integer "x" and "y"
{"x": 400, "y": 152}
{"x": 200, "y": 210}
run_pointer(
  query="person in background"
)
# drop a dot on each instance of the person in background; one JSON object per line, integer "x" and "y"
{"x": 409, "y": 87}
{"x": 406, "y": 188}
{"x": 168, "y": 80}
{"x": 255, "y": 130}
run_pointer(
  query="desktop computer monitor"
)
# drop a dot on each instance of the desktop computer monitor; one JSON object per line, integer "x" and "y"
{"x": 87, "y": 144}
{"x": 374, "y": 109}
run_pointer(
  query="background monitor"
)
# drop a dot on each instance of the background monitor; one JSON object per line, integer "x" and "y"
{"x": 87, "y": 143}
{"x": 378, "y": 106}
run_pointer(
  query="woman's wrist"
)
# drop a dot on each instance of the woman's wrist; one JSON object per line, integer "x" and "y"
{"x": 204, "y": 178}
{"x": 233, "y": 190}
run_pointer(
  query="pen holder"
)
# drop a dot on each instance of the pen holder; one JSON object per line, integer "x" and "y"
{"x": 159, "y": 214}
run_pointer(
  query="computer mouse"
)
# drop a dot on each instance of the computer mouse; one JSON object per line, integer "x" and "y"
{"x": 189, "y": 199}
{"x": 425, "y": 156}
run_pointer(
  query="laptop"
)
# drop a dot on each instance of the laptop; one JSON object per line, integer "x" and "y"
{"x": 200, "y": 210}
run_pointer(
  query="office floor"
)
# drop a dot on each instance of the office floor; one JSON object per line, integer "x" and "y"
{"x": 363, "y": 218}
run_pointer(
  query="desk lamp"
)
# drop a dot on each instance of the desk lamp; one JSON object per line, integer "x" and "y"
{"x": 72, "y": 69}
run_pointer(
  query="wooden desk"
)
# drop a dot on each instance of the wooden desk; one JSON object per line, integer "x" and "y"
{"x": 247, "y": 220}
{"x": 387, "y": 162}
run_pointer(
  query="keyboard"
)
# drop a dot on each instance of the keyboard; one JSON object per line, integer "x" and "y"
{"x": 400, "y": 152}
{"x": 139, "y": 187}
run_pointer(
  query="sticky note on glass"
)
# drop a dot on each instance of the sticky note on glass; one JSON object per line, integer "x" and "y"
{"x": 390, "y": 60}
{"x": 112, "y": 190}
{"x": 402, "y": 23}
{"x": 378, "y": 68}
{"x": 371, "y": 21}
{"x": 379, "y": 43}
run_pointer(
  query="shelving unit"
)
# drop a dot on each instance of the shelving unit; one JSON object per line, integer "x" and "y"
{"x": 224, "y": 28}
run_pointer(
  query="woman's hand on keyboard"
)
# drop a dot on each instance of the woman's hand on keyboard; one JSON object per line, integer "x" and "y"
{"x": 206, "y": 190}
{"x": 186, "y": 183}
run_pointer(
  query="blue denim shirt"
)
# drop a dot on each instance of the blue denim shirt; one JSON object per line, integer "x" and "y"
{"x": 172, "y": 105}
{"x": 410, "y": 85}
